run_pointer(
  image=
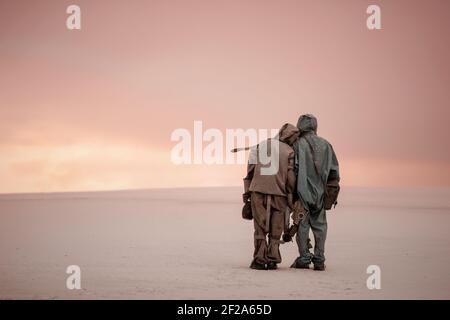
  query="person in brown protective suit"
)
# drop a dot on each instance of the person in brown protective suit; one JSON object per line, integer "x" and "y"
{"x": 269, "y": 187}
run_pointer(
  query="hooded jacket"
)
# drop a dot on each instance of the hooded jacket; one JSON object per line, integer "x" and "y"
{"x": 281, "y": 182}
{"x": 310, "y": 185}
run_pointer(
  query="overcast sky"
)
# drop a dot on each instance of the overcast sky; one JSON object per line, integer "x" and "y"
{"x": 94, "y": 109}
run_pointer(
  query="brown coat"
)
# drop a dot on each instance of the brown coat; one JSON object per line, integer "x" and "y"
{"x": 282, "y": 182}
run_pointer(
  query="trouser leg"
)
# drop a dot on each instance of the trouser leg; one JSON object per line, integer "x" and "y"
{"x": 276, "y": 230}
{"x": 260, "y": 253}
{"x": 319, "y": 228}
{"x": 259, "y": 222}
{"x": 302, "y": 241}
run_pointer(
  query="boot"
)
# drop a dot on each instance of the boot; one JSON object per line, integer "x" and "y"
{"x": 257, "y": 266}
{"x": 319, "y": 267}
{"x": 299, "y": 265}
{"x": 272, "y": 266}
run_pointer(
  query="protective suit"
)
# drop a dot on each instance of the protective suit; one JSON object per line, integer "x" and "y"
{"x": 270, "y": 194}
{"x": 311, "y": 189}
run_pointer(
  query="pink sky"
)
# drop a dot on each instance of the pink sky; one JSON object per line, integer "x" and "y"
{"x": 94, "y": 109}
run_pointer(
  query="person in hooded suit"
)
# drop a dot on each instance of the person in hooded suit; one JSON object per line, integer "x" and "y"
{"x": 315, "y": 163}
{"x": 269, "y": 188}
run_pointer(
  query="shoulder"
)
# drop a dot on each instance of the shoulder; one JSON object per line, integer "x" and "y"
{"x": 286, "y": 147}
{"x": 326, "y": 146}
{"x": 324, "y": 141}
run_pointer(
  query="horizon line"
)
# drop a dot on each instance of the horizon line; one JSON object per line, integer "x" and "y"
{"x": 202, "y": 187}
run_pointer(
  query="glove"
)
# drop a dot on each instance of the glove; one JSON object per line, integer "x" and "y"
{"x": 287, "y": 237}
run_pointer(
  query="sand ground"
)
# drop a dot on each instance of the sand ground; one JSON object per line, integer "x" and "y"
{"x": 193, "y": 244}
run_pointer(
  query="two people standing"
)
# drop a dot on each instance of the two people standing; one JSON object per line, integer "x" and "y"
{"x": 306, "y": 162}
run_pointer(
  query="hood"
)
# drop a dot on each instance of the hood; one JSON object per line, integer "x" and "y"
{"x": 307, "y": 123}
{"x": 288, "y": 133}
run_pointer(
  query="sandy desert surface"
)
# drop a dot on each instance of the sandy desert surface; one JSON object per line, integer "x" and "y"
{"x": 193, "y": 244}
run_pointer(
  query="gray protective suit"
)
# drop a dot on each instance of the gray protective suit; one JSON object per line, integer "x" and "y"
{"x": 310, "y": 188}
